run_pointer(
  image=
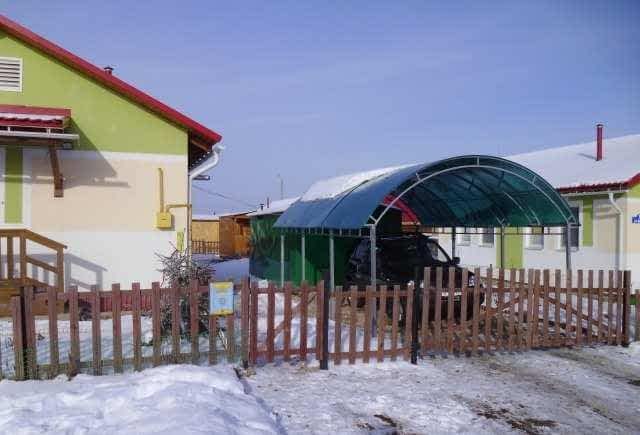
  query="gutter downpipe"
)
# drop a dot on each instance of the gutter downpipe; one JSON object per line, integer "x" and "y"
{"x": 208, "y": 164}
{"x": 618, "y": 210}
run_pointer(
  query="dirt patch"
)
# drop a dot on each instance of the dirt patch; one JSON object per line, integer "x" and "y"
{"x": 532, "y": 426}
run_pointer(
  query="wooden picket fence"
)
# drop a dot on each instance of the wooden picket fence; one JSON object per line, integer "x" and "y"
{"x": 161, "y": 348}
{"x": 505, "y": 310}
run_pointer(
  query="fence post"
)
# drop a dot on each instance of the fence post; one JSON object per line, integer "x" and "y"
{"x": 324, "y": 362}
{"x": 29, "y": 332}
{"x": 415, "y": 344}
{"x": 18, "y": 336}
{"x": 626, "y": 313}
{"x": 244, "y": 322}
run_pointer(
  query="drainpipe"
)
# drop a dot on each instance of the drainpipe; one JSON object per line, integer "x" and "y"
{"x": 618, "y": 210}
{"x": 207, "y": 165}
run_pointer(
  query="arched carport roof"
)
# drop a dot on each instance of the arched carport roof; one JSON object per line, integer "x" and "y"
{"x": 465, "y": 191}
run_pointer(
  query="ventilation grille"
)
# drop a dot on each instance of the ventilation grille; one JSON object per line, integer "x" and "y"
{"x": 10, "y": 74}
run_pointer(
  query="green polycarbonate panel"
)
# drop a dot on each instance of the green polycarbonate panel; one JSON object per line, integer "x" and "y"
{"x": 467, "y": 191}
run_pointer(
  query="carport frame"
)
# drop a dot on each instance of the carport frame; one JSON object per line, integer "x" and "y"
{"x": 568, "y": 218}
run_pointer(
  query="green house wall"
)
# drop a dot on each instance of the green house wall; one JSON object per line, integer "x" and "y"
{"x": 104, "y": 120}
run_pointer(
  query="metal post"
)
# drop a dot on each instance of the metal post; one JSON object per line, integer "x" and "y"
{"x": 302, "y": 249}
{"x": 374, "y": 276}
{"x": 332, "y": 282}
{"x": 453, "y": 242}
{"x": 567, "y": 242}
{"x": 282, "y": 260}
{"x": 502, "y": 247}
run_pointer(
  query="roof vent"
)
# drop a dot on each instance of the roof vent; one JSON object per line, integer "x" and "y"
{"x": 108, "y": 69}
{"x": 599, "y": 149}
{"x": 10, "y": 74}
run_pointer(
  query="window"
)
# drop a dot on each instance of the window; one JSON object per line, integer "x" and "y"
{"x": 575, "y": 231}
{"x": 535, "y": 238}
{"x": 462, "y": 237}
{"x": 10, "y": 74}
{"x": 487, "y": 237}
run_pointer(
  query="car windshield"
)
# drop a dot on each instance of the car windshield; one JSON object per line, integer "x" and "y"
{"x": 414, "y": 247}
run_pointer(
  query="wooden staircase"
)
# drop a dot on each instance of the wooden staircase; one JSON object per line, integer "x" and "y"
{"x": 19, "y": 269}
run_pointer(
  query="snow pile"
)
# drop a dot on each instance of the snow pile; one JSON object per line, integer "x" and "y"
{"x": 576, "y": 165}
{"x": 332, "y": 187}
{"x": 173, "y": 399}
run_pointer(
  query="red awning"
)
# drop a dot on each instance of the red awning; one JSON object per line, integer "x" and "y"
{"x": 20, "y": 117}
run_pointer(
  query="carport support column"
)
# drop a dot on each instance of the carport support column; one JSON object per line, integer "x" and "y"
{"x": 567, "y": 247}
{"x": 374, "y": 276}
{"x": 282, "y": 260}
{"x": 453, "y": 242}
{"x": 502, "y": 247}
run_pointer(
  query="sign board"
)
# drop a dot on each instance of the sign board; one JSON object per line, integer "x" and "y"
{"x": 220, "y": 298}
{"x": 635, "y": 219}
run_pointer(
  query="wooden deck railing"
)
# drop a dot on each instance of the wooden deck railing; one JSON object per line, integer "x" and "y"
{"x": 205, "y": 247}
{"x": 17, "y": 260}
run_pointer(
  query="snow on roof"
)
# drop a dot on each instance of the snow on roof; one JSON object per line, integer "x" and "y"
{"x": 332, "y": 187}
{"x": 575, "y": 166}
{"x": 206, "y": 217}
{"x": 278, "y": 206}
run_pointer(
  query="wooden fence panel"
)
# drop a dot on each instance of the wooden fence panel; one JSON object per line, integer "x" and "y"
{"x": 52, "y": 308}
{"x": 337, "y": 334}
{"x": 382, "y": 321}
{"x": 500, "y": 342}
{"x": 619, "y": 306}
{"x": 408, "y": 322}
{"x": 353, "y": 321}
{"x": 475, "y": 322}
{"x": 463, "y": 310}
{"x": 395, "y": 315}
{"x": 137, "y": 326}
{"x": 319, "y": 320}
{"x": 117, "y": 328}
{"x": 253, "y": 328}
{"x": 175, "y": 324}
{"x": 610, "y": 299}
{"x": 18, "y": 338}
{"x": 96, "y": 339}
{"x": 367, "y": 324}
{"x": 426, "y": 301}
{"x": 579, "y": 284}
{"x": 437, "y": 326}
{"x": 545, "y": 308}
{"x": 450, "y": 313}
{"x": 304, "y": 310}
{"x": 637, "y": 315}
{"x": 194, "y": 320}
{"x": 30, "y": 330}
{"x": 287, "y": 322}
{"x": 271, "y": 307}
{"x": 557, "y": 295}
{"x": 589, "y": 307}
{"x": 601, "y": 330}
{"x": 156, "y": 323}
{"x": 74, "y": 331}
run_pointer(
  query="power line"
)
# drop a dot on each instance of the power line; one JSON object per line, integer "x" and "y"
{"x": 220, "y": 195}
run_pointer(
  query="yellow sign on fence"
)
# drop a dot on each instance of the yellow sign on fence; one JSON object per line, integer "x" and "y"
{"x": 220, "y": 298}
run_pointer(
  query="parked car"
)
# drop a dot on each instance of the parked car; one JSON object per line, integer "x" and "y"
{"x": 397, "y": 260}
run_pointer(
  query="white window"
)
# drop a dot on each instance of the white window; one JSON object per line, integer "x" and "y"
{"x": 463, "y": 237}
{"x": 10, "y": 74}
{"x": 575, "y": 230}
{"x": 535, "y": 238}
{"x": 487, "y": 237}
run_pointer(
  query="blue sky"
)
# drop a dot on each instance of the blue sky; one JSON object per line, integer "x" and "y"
{"x": 315, "y": 89}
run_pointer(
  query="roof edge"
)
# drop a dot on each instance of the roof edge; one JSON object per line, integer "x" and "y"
{"x": 135, "y": 95}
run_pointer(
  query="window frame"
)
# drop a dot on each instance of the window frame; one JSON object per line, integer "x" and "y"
{"x": 528, "y": 240}
{"x": 483, "y": 232}
{"x": 560, "y": 245}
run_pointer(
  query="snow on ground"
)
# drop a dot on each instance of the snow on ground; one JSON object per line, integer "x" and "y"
{"x": 590, "y": 390}
{"x": 172, "y": 399}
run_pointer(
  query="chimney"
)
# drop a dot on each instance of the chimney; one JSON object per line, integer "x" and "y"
{"x": 108, "y": 69}
{"x": 599, "y": 149}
